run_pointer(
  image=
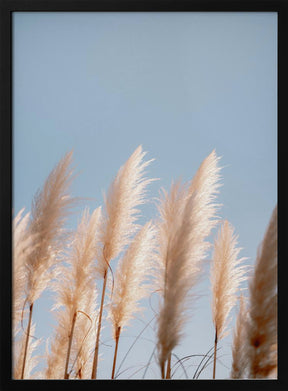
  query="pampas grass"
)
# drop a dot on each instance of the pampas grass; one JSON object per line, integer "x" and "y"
{"x": 165, "y": 255}
{"x": 75, "y": 287}
{"x": 131, "y": 282}
{"x": 226, "y": 276}
{"x": 187, "y": 216}
{"x": 49, "y": 210}
{"x": 173, "y": 279}
{"x": 23, "y": 246}
{"x": 125, "y": 195}
{"x": 83, "y": 342}
{"x": 20, "y": 349}
{"x": 239, "y": 358}
{"x": 56, "y": 356}
{"x": 205, "y": 186}
{"x": 84, "y": 338}
{"x": 262, "y": 320}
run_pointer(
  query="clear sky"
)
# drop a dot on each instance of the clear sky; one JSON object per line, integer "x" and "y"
{"x": 179, "y": 84}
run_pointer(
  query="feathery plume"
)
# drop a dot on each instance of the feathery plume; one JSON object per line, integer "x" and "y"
{"x": 56, "y": 358}
{"x": 226, "y": 277}
{"x": 22, "y": 248}
{"x": 262, "y": 320}
{"x": 49, "y": 209}
{"x": 239, "y": 359}
{"x": 131, "y": 275}
{"x": 81, "y": 345}
{"x": 179, "y": 256}
{"x": 206, "y": 183}
{"x": 187, "y": 216}
{"x": 72, "y": 287}
{"x": 131, "y": 282}
{"x": 76, "y": 290}
{"x": 18, "y": 354}
{"x": 84, "y": 338}
{"x": 125, "y": 194}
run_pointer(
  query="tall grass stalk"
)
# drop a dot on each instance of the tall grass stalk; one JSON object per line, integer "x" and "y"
{"x": 22, "y": 248}
{"x": 239, "y": 347}
{"x": 75, "y": 283}
{"x": 125, "y": 194}
{"x": 49, "y": 210}
{"x": 187, "y": 216}
{"x": 27, "y": 339}
{"x": 168, "y": 369}
{"x": 262, "y": 319}
{"x": 84, "y": 335}
{"x": 96, "y": 351}
{"x": 24, "y": 244}
{"x": 215, "y": 354}
{"x": 131, "y": 281}
{"x": 31, "y": 360}
{"x": 117, "y": 336}
{"x": 227, "y": 273}
{"x": 171, "y": 253}
{"x": 66, "y": 374}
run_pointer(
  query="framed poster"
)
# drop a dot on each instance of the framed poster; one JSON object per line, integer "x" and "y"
{"x": 140, "y": 146}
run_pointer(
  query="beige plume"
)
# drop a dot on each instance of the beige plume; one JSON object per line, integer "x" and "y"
{"x": 75, "y": 287}
{"x": 126, "y": 193}
{"x": 84, "y": 338}
{"x": 206, "y": 183}
{"x": 18, "y": 354}
{"x": 239, "y": 358}
{"x": 187, "y": 216}
{"x": 49, "y": 211}
{"x": 131, "y": 282}
{"x": 227, "y": 273}
{"x": 262, "y": 321}
{"x": 131, "y": 275}
{"x": 22, "y": 248}
{"x": 50, "y": 208}
{"x": 56, "y": 355}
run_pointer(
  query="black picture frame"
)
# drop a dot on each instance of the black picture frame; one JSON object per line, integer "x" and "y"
{"x": 7, "y": 9}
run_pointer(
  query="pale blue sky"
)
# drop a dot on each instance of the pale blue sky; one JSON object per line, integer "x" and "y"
{"x": 180, "y": 84}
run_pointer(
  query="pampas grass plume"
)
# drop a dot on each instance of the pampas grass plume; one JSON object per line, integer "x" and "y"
{"x": 262, "y": 321}
{"x": 75, "y": 288}
{"x": 18, "y": 354}
{"x": 22, "y": 248}
{"x": 239, "y": 358}
{"x": 50, "y": 208}
{"x": 131, "y": 277}
{"x": 187, "y": 216}
{"x": 126, "y": 193}
{"x": 227, "y": 273}
{"x": 76, "y": 273}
